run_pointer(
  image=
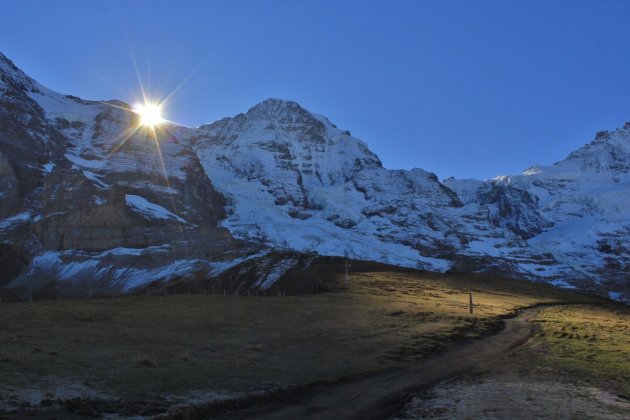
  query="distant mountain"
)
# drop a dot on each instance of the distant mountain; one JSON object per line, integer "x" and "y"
{"x": 86, "y": 206}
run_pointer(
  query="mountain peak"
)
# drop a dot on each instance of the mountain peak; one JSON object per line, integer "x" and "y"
{"x": 276, "y": 107}
{"x": 6, "y": 62}
{"x": 11, "y": 74}
{"x": 286, "y": 114}
{"x": 609, "y": 151}
{"x": 275, "y": 102}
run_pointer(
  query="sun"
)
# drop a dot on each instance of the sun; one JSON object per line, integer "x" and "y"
{"x": 150, "y": 114}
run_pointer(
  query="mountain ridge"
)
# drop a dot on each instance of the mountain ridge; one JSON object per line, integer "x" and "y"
{"x": 87, "y": 199}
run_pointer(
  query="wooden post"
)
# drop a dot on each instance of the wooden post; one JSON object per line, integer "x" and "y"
{"x": 470, "y": 301}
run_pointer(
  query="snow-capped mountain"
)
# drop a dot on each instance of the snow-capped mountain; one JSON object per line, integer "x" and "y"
{"x": 296, "y": 181}
{"x": 578, "y": 216}
{"x": 89, "y": 202}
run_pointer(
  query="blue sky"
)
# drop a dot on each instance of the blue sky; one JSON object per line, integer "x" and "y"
{"x": 459, "y": 88}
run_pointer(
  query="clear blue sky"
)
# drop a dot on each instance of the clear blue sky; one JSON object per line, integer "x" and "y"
{"x": 463, "y": 88}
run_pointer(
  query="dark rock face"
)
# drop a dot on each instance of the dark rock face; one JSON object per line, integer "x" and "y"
{"x": 67, "y": 170}
{"x": 91, "y": 227}
{"x": 513, "y": 208}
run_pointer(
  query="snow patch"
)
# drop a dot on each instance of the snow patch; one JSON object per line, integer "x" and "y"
{"x": 274, "y": 275}
{"x": 13, "y": 221}
{"x": 218, "y": 267}
{"x": 95, "y": 179}
{"x": 562, "y": 284}
{"x": 618, "y": 296}
{"x": 149, "y": 210}
{"x": 48, "y": 168}
{"x": 133, "y": 278}
{"x": 84, "y": 163}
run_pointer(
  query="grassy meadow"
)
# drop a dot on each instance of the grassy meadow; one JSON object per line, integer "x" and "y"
{"x": 177, "y": 348}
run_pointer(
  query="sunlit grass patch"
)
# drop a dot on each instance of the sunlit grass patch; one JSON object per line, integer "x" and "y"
{"x": 591, "y": 340}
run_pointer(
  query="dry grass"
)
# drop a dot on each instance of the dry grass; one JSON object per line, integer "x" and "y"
{"x": 589, "y": 342}
{"x": 143, "y": 347}
{"x": 576, "y": 366}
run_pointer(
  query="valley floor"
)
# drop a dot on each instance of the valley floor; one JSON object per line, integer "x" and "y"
{"x": 243, "y": 356}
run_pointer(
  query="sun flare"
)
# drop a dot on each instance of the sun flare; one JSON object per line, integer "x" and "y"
{"x": 150, "y": 114}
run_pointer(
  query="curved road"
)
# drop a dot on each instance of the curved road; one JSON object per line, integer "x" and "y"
{"x": 379, "y": 395}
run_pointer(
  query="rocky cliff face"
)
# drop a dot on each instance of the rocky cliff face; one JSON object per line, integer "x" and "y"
{"x": 90, "y": 201}
{"x": 84, "y": 190}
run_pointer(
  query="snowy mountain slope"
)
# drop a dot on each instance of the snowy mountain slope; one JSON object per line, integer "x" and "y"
{"x": 587, "y": 197}
{"x": 579, "y": 213}
{"x": 91, "y": 200}
{"x": 295, "y": 180}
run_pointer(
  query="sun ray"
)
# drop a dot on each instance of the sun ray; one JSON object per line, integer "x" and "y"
{"x": 186, "y": 79}
{"x": 159, "y": 150}
{"x": 127, "y": 134}
{"x": 135, "y": 66}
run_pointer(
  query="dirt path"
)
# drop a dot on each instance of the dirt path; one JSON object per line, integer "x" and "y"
{"x": 379, "y": 395}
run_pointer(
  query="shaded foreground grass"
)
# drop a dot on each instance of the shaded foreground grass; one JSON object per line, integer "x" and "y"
{"x": 182, "y": 349}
